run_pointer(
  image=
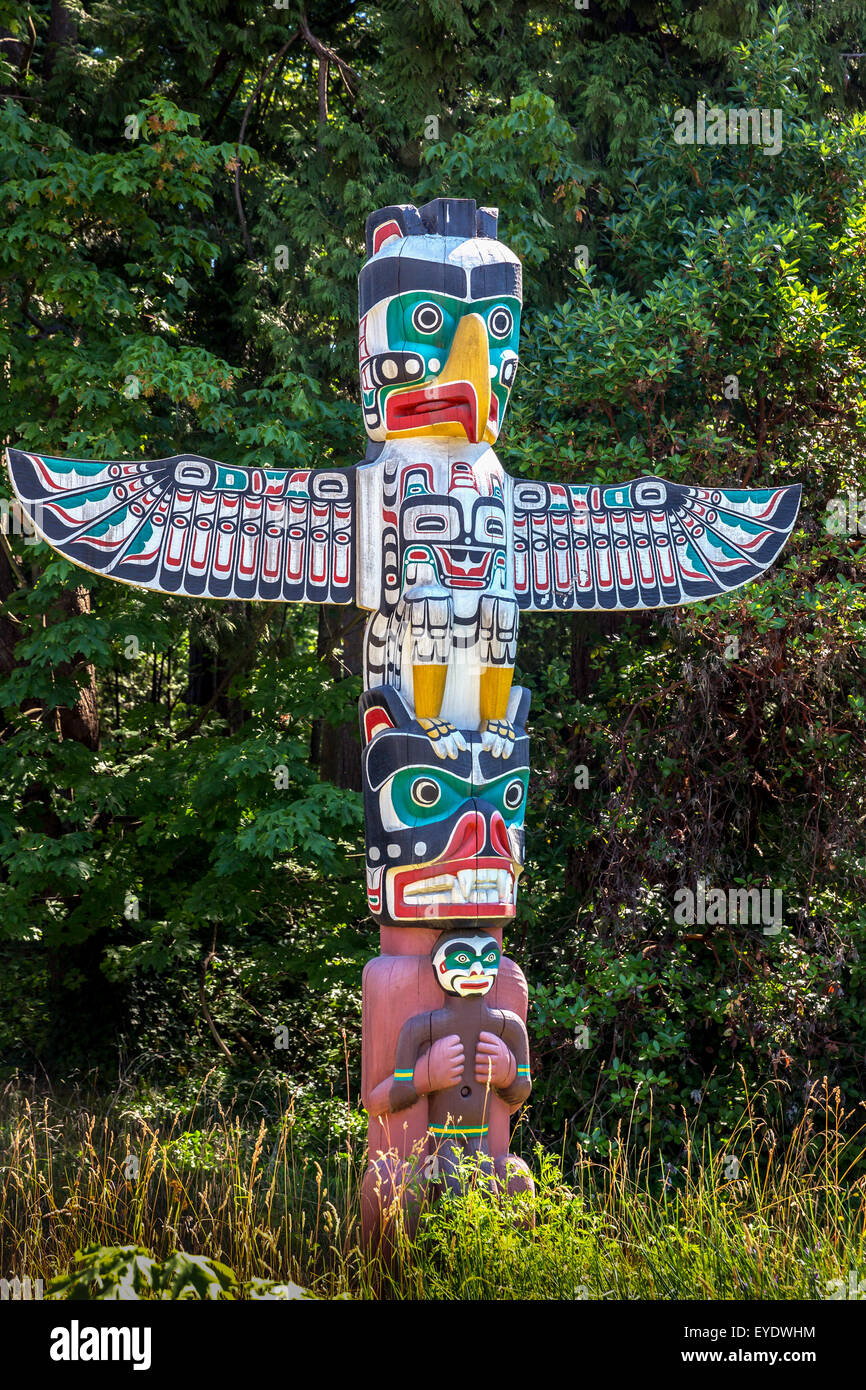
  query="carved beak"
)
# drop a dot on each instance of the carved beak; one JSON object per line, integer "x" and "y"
{"x": 469, "y": 363}
{"x": 458, "y": 402}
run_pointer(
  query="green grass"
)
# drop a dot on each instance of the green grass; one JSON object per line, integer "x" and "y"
{"x": 248, "y": 1189}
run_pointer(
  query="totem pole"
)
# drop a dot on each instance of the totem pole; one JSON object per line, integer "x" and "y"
{"x": 444, "y": 548}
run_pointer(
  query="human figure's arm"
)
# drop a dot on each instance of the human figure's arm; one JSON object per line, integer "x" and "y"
{"x": 502, "y": 1060}
{"x": 439, "y": 1066}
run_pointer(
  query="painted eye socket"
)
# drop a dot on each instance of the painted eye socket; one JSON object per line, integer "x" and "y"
{"x": 513, "y": 796}
{"x": 508, "y": 371}
{"x": 490, "y": 957}
{"x": 500, "y": 322}
{"x": 425, "y": 792}
{"x": 494, "y": 527}
{"x": 428, "y": 524}
{"x": 427, "y": 318}
{"x": 462, "y": 959}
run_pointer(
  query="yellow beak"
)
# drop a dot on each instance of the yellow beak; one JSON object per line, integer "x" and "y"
{"x": 460, "y": 395}
{"x": 469, "y": 360}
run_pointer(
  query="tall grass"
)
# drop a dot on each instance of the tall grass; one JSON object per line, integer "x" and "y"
{"x": 763, "y": 1220}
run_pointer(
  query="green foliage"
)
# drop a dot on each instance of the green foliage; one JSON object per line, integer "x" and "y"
{"x": 758, "y": 1219}
{"x": 180, "y": 232}
{"x": 127, "y": 1272}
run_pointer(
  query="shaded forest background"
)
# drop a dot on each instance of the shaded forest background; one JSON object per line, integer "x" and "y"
{"x": 184, "y": 188}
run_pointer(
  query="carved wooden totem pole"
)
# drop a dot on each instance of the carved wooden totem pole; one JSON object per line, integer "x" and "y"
{"x": 432, "y": 536}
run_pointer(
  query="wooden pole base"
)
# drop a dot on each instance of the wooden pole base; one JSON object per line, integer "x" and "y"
{"x": 398, "y": 984}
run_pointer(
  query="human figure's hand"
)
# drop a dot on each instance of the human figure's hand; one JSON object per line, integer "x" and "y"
{"x": 441, "y": 1067}
{"x": 494, "y": 1062}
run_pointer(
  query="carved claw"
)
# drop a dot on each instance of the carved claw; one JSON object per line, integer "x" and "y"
{"x": 498, "y": 737}
{"x": 446, "y": 740}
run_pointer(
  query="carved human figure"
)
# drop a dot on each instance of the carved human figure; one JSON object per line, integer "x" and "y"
{"x": 457, "y": 1055}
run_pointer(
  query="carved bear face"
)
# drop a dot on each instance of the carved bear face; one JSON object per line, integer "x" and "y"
{"x": 444, "y": 837}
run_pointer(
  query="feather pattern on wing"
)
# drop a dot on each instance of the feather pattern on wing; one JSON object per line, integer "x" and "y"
{"x": 188, "y": 525}
{"x": 646, "y": 544}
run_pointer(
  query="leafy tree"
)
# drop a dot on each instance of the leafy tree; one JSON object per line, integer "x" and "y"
{"x": 184, "y": 195}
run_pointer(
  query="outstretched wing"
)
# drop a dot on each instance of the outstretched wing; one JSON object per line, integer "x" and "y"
{"x": 647, "y": 544}
{"x": 188, "y": 525}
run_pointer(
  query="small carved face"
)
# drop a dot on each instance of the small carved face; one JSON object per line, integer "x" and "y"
{"x": 455, "y": 537}
{"x": 466, "y": 963}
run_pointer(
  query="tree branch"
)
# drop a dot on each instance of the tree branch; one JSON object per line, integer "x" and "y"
{"x": 328, "y": 55}
{"x": 261, "y": 82}
{"x": 203, "y": 1001}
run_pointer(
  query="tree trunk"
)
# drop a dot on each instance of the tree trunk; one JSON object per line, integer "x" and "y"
{"x": 203, "y": 675}
{"x": 336, "y": 748}
{"x": 62, "y": 33}
{"x": 81, "y": 722}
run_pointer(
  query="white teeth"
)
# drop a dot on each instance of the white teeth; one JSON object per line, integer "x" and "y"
{"x": 466, "y": 879}
{"x": 426, "y": 886}
{"x": 467, "y": 886}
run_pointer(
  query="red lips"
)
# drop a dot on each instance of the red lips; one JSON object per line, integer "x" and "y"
{"x": 461, "y": 573}
{"x": 453, "y": 403}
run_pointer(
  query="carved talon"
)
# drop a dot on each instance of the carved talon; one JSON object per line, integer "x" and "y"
{"x": 498, "y": 737}
{"x": 446, "y": 740}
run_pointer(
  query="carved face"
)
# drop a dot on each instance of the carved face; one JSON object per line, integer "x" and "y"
{"x": 451, "y": 525}
{"x": 444, "y": 838}
{"x": 439, "y": 327}
{"x": 466, "y": 963}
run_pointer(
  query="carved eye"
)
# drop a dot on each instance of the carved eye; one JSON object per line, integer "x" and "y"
{"x": 650, "y": 492}
{"x": 425, "y": 792}
{"x": 495, "y": 528}
{"x": 490, "y": 958}
{"x": 513, "y": 795}
{"x": 462, "y": 959}
{"x": 500, "y": 322}
{"x": 427, "y": 318}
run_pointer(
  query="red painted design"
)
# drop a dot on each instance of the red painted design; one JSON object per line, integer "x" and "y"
{"x": 387, "y": 232}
